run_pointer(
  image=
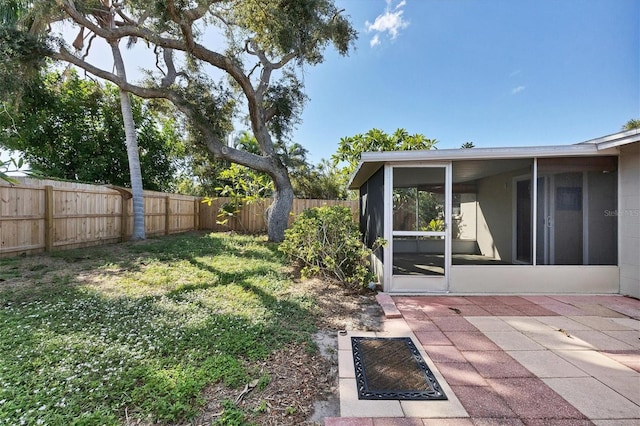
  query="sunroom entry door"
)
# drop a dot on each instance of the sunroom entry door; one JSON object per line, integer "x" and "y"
{"x": 420, "y": 228}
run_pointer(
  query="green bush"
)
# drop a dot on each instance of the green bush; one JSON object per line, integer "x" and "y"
{"x": 326, "y": 242}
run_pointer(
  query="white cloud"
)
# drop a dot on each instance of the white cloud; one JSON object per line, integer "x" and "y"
{"x": 390, "y": 22}
{"x": 375, "y": 40}
{"x": 517, "y": 90}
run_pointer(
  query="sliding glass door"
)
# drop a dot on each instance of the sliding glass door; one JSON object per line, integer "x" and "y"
{"x": 574, "y": 202}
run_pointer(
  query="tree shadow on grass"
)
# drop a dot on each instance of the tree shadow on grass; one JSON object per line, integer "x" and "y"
{"x": 98, "y": 354}
{"x": 164, "y": 351}
{"x": 132, "y": 256}
{"x": 287, "y": 310}
{"x": 152, "y": 262}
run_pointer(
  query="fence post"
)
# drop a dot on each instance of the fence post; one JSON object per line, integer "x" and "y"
{"x": 124, "y": 219}
{"x": 49, "y": 229}
{"x": 196, "y": 214}
{"x": 167, "y": 214}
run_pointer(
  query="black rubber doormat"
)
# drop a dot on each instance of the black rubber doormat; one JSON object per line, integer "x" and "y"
{"x": 392, "y": 368}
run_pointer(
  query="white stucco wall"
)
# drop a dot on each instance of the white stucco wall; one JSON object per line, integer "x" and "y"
{"x": 467, "y": 221}
{"x": 629, "y": 219}
{"x": 495, "y": 215}
{"x": 526, "y": 279}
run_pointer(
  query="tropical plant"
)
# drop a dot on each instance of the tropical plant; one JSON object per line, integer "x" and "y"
{"x": 244, "y": 186}
{"x": 634, "y": 123}
{"x": 351, "y": 148}
{"x": 435, "y": 225}
{"x": 324, "y": 181}
{"x": 6, "y": 167}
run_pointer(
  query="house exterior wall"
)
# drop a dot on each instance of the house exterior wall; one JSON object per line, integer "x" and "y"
{"x": 527, "y": 279}
{"x": 466, "y": 226}
{"x": 372, "y": 218}
{"x": 629, "y": 219}
{"x": 495, "y": 215}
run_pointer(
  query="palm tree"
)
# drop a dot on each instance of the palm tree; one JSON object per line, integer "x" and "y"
{"x": 11, "y": 13}
{"x": 106, "y": 17}
{"x": 634, "y": 123}
{"x": 135, "y": 171}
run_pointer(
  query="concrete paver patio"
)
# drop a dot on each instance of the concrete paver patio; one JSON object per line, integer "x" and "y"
{"x": 509, "y": 360}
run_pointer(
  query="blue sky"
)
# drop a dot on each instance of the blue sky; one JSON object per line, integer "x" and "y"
{"x": 495, "y": 72}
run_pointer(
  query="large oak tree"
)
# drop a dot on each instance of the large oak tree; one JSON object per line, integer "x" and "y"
{"x": 265, "y": 45}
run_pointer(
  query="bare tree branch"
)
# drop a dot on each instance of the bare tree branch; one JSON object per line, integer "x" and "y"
{"x": 267, "y": 66}
{"x": 124, "y": 17}
{"x": 86, "y": 53}
{"x": 269, "y": 114}
{"x": 170, "y": 78}
{"x": 156, "y": 53}
{"x": 215, "y": 145}
{"x": 255, "y": 67}
{"x": 197, "y": 50}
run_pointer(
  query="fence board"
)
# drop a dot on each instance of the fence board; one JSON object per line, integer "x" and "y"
{"x": 71, "y": 215}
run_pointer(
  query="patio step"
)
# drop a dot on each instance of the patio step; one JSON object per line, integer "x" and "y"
{"x": 388, "y": 306}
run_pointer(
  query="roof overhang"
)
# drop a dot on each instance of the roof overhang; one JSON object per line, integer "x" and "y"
{"x": 370, "y": 162}
{"x": 615, "y": 140}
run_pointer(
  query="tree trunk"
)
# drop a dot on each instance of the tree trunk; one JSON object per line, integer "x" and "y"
{"x": 132, "y": 150}
{"x": 278, "y": 212}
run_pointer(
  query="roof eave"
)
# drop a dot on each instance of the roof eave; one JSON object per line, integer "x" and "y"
{"x": 370, "y": 162}
{"x": 616, "y": 140}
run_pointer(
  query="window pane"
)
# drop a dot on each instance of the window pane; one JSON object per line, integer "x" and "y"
{"x": 418, "y": 199}
{"x": 418, "y": 255}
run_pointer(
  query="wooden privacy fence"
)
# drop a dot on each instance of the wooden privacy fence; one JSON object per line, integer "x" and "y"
{"x": 251, "y": 217}
{"x": 46, "y": 215}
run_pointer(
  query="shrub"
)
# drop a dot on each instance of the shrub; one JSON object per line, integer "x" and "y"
{"x": 326, "y": 242}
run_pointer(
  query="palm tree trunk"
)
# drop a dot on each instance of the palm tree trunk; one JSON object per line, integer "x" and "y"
{"x": 132, "y": 149}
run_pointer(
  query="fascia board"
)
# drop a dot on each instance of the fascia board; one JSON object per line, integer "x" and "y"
{"x": 363, "y": 172}
{"x": 372, "y": 161}
{"x": 480, "y": 153}
{"x": 619, "y": 139}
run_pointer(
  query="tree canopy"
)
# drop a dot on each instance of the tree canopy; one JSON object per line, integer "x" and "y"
{"x": 71, "y": 128}
{"x": 351, "y": 148}
{"x": 634, "y": 123}
{"x": 214, "y": 177}
{"x": 265, "y": 44}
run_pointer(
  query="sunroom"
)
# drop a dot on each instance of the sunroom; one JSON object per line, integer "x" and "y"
{"x": 504, "y": 220}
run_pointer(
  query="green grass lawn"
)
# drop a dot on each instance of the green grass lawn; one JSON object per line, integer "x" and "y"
{"x": 138, "y": 330}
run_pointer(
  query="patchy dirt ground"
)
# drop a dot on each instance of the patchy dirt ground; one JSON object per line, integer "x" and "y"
{"x": 304, "y": 380}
